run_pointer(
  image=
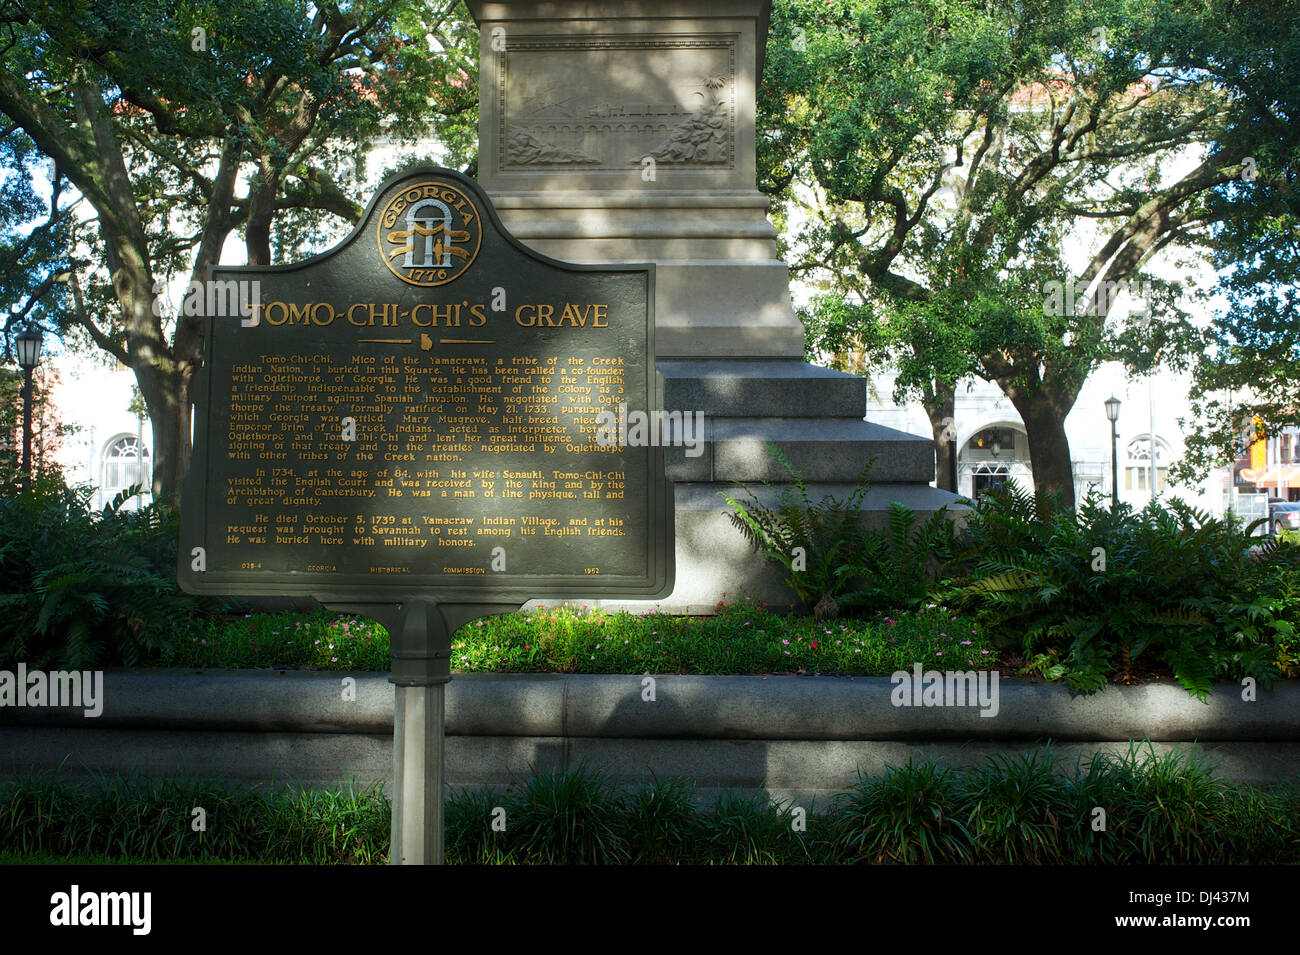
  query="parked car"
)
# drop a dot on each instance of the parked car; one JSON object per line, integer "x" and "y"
{"x": 1283, "y": 514}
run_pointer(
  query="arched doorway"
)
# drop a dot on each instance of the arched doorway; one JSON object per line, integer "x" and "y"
{"x": 993, "y": 455}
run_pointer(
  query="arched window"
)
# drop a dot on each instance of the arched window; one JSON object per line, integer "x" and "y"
{"x": 124, "y": 466}
{"x": 1137, "y": 469}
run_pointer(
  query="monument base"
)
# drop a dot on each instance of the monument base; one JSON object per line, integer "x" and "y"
{"x": 626, "y": 134}
{"x": 815, "y": 416}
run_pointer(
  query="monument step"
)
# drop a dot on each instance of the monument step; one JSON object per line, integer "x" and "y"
{"x": 758, "y": 388}
{"x": 820, "y": 449}
{"x": 691, "y": 498}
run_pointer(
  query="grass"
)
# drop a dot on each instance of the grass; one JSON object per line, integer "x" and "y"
{"x": 1158, "y": 809}
{"x": 741, "y": 638}
{"x": 47, "y": 858}
{"x": 138, "y": 818}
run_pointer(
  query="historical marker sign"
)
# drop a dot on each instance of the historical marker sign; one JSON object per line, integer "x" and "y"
{"x": 422, "y": 412}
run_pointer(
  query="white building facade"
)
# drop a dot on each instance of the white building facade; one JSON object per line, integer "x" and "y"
{"x": 992, "y": 445}
{"x": 112, "y": 450}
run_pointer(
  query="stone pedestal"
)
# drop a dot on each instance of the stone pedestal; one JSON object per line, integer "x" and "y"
{"x": 624, "y": 132}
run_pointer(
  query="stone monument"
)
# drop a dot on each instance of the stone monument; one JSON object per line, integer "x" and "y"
{"x": 625, "y": 132}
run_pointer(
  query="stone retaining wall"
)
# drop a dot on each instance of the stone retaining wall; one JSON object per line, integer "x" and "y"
{"x": 803, "y": 738}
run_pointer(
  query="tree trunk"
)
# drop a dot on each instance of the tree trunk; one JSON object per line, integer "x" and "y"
{"x": 168, "y": 399}
{"x": 257, "y": 230}
{"x": 941, "y": 411}
{"x": 1049, "y": 449}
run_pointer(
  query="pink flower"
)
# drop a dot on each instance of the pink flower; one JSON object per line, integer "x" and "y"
{"x": 814, "y": 643}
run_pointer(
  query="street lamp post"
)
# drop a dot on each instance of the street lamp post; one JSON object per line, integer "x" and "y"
{"x": 28, "y": 346}
{"x": 1112, "y": 413}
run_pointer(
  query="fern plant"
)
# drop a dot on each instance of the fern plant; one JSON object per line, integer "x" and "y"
{"x": 80, "y": 588}
{"x": 897, "y": 569}
{"x": 814, "y": 542}
{"x": 1090, "y": 593}
{"x": 834, "y": 563}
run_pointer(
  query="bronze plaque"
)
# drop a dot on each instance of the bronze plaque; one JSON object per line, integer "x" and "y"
{"x": 428, "y": 410}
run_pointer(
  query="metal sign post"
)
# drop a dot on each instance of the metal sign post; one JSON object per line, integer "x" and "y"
{"x": 420, "y": 632}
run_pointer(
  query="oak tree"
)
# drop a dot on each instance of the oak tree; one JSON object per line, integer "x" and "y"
{"x": 180, "y": 125}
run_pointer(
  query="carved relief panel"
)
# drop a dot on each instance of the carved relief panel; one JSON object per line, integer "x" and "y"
{"x": 609, "y": 102}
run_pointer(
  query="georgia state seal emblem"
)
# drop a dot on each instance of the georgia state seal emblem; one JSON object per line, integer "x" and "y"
{"x": 429, "y": 233}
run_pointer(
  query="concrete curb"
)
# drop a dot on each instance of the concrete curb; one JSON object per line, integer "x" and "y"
{"x": 685, "y": 707}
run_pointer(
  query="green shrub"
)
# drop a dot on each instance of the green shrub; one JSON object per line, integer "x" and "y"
{"x": 752, "y": 830}
{"x": 1103, "y": 785}
{"x": 1158, "y": 809}
{"x": 469, "y": 836}
{"x": 911, "y": 815}
{"x": 663, "y": 825}
{"x": 1268, "y": 608}
{"x": 835, "y": 564}
{"x": 898, "y": 569}
{"x": 1017, "y": 807}
{"x": 1086, "y": 594}
{"x": 141, "y": 818}
{"x": 81, "y": 589}
{"x": 1180, "y": 812}
{"x": 814, "y": 542}
{"x": 566, "y": 818}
